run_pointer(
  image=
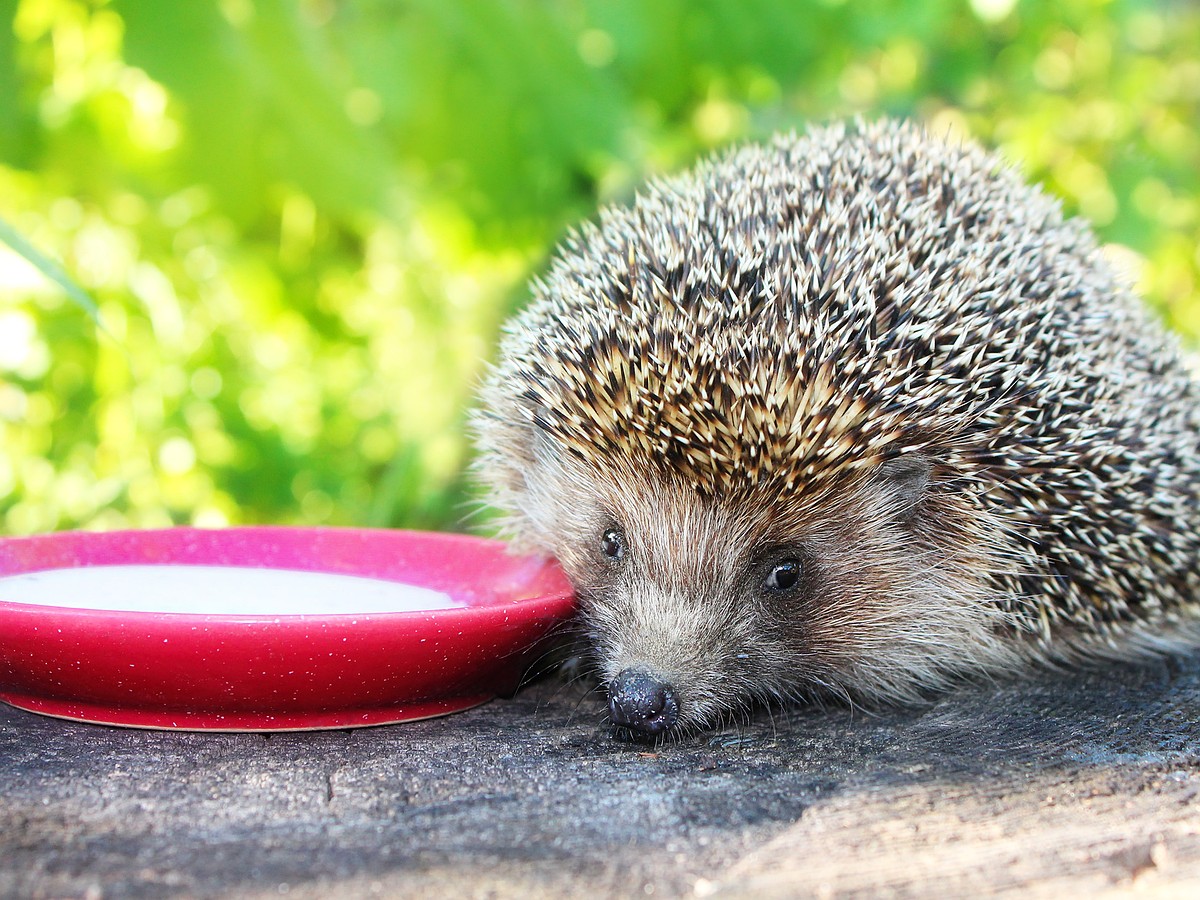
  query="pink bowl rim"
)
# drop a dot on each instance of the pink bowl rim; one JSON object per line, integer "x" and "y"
{"x": 563, "y": 596}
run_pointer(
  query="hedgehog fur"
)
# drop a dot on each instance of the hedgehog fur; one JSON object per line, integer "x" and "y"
{"x": 854, "y": 412}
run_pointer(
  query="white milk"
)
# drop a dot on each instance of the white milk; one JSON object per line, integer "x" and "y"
{"x": 218, "y": 590}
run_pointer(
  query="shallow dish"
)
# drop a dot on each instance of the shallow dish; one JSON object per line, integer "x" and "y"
{"x": 273, "y": 670}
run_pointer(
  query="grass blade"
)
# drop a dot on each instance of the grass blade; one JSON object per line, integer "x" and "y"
{"x": 51, "y": 270}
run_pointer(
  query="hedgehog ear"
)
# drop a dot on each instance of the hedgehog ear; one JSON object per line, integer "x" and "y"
{"x": 558, "y": 499}
{"x": 542, "y": 445}
{"x": 554, "y": 468}
{"x": 542, "y": 477}
{"x": 907, "y": 478}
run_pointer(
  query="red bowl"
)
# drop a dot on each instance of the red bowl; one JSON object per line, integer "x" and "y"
{"x": 272, "y": 673}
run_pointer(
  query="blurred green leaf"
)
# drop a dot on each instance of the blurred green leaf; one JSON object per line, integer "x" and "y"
{"x": 304, "y": 222}
{"x": 262, "y": 101}
{"x": 10, "y": 109}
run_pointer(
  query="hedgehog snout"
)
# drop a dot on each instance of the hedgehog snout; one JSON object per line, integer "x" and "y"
{"x": 642, "y": 703}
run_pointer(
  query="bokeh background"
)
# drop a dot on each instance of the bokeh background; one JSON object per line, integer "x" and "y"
{"x": 304, "y": 222}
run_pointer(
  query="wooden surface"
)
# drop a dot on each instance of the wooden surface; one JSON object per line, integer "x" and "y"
{"x": 1084, "y": 785}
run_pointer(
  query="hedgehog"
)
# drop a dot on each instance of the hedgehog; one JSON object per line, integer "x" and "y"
{"x": 857, "y": 414}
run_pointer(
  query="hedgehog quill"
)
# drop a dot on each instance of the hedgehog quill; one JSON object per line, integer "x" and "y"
{"x": 854, "y": 413}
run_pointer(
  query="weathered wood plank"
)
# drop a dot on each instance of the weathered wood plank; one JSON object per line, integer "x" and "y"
{"x": 1060, "y": 787}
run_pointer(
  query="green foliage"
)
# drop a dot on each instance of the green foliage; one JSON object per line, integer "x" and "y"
{"x": 304, "y": 222}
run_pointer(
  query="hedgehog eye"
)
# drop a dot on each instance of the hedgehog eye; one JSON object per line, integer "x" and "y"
{"x": 612, "y": 544}
{"x": 784, "y": 576}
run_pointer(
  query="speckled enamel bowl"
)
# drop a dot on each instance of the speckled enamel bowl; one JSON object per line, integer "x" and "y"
{"x": 267, "y": 671}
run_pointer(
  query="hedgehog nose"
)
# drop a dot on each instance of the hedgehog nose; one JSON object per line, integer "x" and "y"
{"x": 643, "y": 704}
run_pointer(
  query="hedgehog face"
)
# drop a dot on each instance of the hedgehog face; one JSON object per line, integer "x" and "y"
{"x": 695, "y": 610}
